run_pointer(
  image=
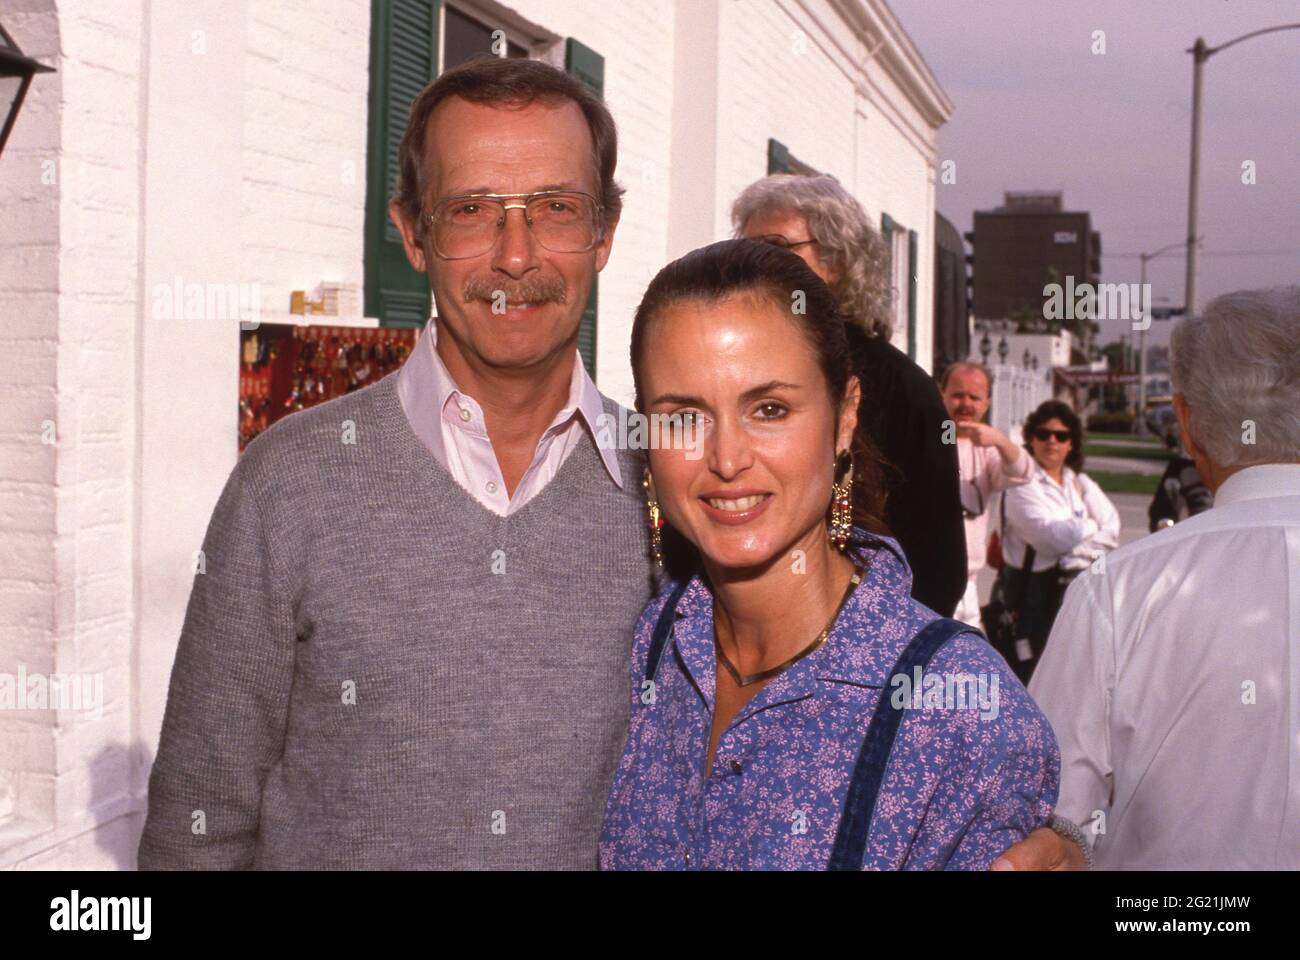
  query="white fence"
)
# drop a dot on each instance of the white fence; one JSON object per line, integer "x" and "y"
{"x": 1016, "y": 392}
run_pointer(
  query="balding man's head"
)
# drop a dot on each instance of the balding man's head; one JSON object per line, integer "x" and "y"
{"x": 966, "y": 389}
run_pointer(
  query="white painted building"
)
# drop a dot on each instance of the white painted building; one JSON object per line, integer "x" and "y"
{"x": 1044, "y": 350}
{"x": 224, "y": 143}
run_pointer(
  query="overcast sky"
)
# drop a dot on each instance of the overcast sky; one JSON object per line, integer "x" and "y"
{"x": 1037, "y": 109}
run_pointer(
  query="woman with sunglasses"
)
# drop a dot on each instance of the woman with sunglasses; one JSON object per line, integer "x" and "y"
{"x": 1056, "y": 525}
{"x": 791, "y": 703}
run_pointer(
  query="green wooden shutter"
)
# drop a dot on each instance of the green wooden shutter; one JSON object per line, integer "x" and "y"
{"x": 403, "y": 59}
{"x": 778, "y": 157}
{"x": 887, "y": 235}
{"x": 911, "y": 293}
{"x": 588, "y": 66}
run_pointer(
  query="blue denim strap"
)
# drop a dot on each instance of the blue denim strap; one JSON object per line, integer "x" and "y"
{"x": 869, "y": 772}
{"x": 663, "y": 628}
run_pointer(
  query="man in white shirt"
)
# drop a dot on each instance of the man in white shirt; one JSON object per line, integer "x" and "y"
{"x": 988, "y": 461}
{"x": 1172, "y": 677}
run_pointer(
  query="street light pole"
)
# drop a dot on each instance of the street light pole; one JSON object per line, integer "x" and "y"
{"x": 1201, "y": 53}
{"x": 1142, "y": 349}
{"x": 1143, "y": 327}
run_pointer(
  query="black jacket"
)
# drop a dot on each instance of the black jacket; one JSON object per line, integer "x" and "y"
{"x": 1181, "y": 493}
{"x": 904, "y": 414}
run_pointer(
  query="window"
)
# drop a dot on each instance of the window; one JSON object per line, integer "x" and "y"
{"x": 780, "y": 160}
{"x": 902, "y": 246}
{"x": 465, "y": 38}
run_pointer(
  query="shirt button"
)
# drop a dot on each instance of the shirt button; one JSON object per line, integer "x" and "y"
{"x": 465, "y": 414}
{"x": 688, "y": 857}
{"x": 736, "y": 766}
{"x": 491, "y": 486}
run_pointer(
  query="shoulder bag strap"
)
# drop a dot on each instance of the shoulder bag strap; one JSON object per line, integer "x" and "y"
{"x": 869, "y": 771}
{"x": 663, "y": 628}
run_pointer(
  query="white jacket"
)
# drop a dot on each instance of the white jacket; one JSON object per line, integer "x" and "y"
{"x": 1072, "y": 523}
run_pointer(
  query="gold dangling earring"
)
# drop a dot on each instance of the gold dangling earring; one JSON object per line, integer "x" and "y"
{"x": 656, "y": 519}
{"x": 842, "y": 504}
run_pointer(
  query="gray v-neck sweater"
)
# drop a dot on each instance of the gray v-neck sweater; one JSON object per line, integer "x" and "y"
{"x": 377, "y": 672}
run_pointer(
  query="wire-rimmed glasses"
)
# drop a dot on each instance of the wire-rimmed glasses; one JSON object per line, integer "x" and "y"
{"x": 563, "y": 221}
{"x": 776, "y": 240}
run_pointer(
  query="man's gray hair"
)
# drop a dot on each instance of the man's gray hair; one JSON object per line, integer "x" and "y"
{"x": 845, "y": 239}
{"x": 1237, "y": 366}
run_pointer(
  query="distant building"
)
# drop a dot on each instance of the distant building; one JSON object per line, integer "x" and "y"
{"x": 1037, "y": 351}
{"x": 951, "y": 296}
{"x": 1025, "y": 244}
{"x": 1025, "y": 370}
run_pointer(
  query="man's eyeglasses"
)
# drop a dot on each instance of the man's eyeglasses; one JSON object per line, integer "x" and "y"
{"x": 1062, "y": 436}
{"x": 776, "y": 240}
{"x": 563, "y": 221}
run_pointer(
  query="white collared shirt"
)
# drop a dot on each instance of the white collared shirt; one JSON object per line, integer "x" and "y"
{"x": 449, "y": 422}
{"x": 1072, "y": 522}
{"x": 1172, "y": 680}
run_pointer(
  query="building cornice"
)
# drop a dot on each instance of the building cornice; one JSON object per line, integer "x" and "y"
{"x": 892, "y": 48}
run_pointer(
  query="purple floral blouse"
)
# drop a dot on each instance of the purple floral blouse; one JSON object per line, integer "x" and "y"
{"x": 974, "y": 769}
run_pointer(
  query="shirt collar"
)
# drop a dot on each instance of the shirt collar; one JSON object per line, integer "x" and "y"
{"x": 1260, "y": 481}
{"x": 1067, "y": 475}
{"x": 425, "y": 387}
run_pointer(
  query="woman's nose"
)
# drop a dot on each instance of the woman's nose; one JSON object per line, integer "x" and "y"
{"x": 729, "y": 449}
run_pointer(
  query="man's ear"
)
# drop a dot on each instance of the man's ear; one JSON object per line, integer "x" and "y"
{"x": 606, "y": 243}
{"x": 849, "y": 414}
{"x": 1184, "y": 414}
{"x": 414, "y": 251}
{"x": 1210, "y": 472}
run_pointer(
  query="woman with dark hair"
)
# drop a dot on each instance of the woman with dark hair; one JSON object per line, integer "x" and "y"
{"x": 1055, "y": 525}
{"x": 792, "y": 706}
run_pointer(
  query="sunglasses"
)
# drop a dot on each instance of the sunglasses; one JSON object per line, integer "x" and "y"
{"x": 1062, "y": 436}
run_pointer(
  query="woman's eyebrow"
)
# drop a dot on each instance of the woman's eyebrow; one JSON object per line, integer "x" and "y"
{"x": 681, "y": 399}
{"x": 753, "y": 393}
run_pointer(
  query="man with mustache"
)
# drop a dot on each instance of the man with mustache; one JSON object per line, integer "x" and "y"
{"x": 412, "y": 651}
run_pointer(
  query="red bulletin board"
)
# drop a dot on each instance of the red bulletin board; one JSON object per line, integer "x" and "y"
{"x": 284, "y": 368}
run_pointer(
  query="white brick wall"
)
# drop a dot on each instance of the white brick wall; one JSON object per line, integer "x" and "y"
{"x": 72, "y": 173}
{"x": 244, "y": 163}
{"x": 306, "y": 84}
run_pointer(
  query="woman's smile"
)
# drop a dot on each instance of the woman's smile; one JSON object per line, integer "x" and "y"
{"x": 735, "y": 507}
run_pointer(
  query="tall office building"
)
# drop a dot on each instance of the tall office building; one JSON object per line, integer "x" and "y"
{"x": 1025, "y": 244}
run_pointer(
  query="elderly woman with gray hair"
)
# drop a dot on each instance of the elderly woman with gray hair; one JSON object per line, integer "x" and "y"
{"x": 1171, "y": 677}
{"x": 901, "y": 408}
